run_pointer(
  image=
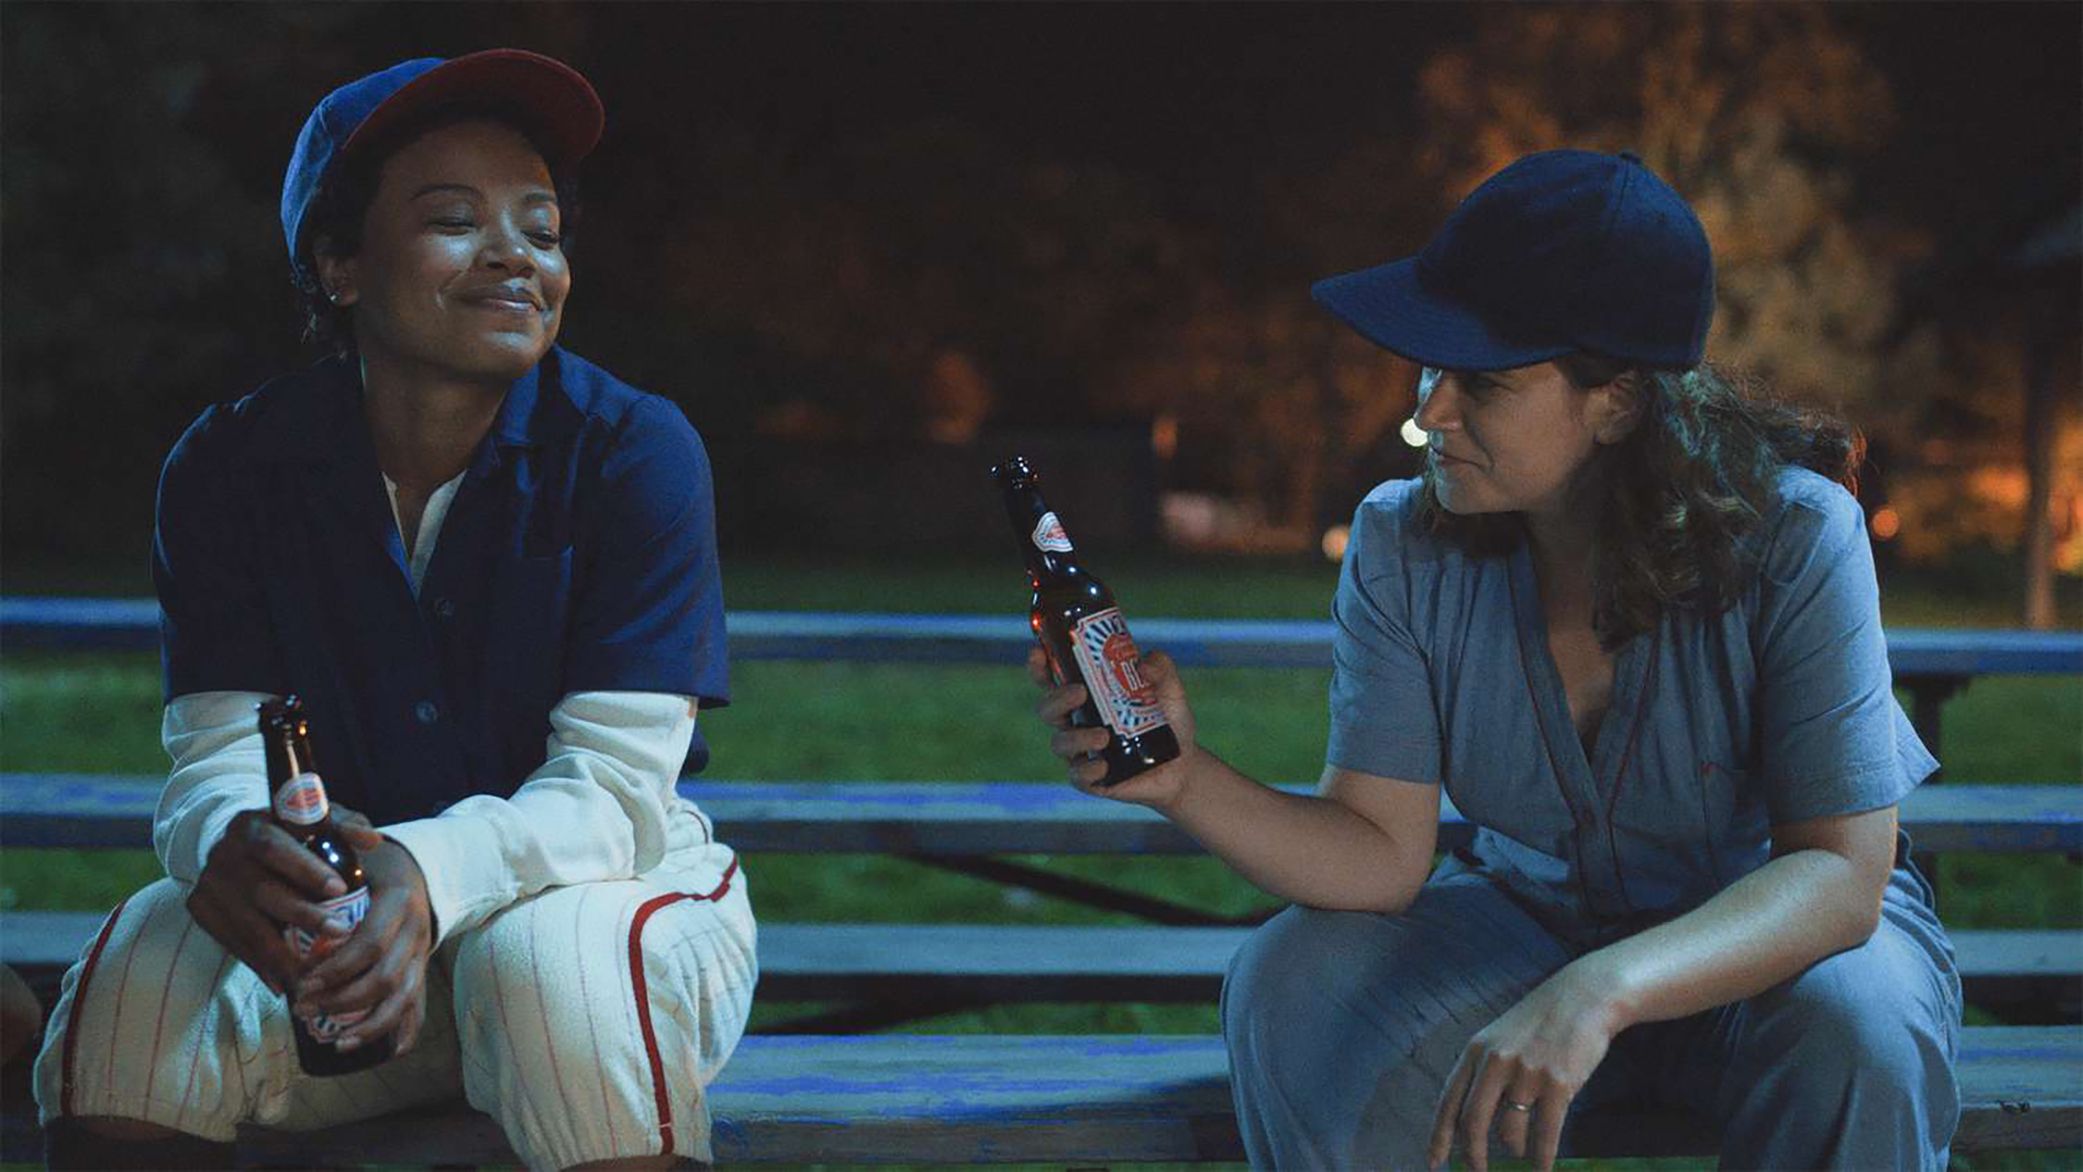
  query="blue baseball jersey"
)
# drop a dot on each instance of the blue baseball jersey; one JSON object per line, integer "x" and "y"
{"x": 579, "y": 554}
{"x": 1778, "y": 710}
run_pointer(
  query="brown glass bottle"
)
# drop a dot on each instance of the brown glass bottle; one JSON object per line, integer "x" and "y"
{"x": 301, "y": 809}
{"x": 1083, "y": 633}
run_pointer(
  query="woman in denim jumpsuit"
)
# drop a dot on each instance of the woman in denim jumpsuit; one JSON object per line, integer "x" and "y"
{"x": 1628, "y": 619}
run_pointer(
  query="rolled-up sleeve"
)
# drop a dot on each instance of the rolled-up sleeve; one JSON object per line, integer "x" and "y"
{"x": 1832, "y": 738}
{"x": 1384, "y": 718}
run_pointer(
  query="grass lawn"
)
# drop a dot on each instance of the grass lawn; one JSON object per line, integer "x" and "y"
{"x": 100, "y": 713}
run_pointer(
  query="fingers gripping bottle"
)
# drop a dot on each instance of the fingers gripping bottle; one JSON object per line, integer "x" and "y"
{"x": 301, "y": 809}
{"x": 1082, "y": 632}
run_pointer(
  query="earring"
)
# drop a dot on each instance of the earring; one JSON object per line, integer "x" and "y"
{"x": 333, "y": 295}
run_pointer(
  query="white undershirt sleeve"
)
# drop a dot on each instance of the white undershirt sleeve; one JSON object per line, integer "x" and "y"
{"x": 601, "y": 805}
{"x": 219, "y": 770}
{"x": 598, "y": 808}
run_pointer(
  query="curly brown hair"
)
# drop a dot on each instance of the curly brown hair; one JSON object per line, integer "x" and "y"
{"x": 1680, "y": 497}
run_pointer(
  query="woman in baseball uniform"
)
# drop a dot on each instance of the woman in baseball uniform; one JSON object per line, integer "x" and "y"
{"x": 488, "y": 566}
{"x": 1627, "y": 617}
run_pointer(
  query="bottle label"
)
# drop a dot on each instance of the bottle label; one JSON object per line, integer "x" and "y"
{"x": 301, "y": 800}
{"x": 1049, "y": 534}
{"x": 347, "y": 912}
{"x": 1107, "y": 657}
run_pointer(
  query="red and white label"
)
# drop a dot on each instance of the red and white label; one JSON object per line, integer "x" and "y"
{"x": 1049, "y": 534}
{"x": 301, "y": 800}
{"x": 344, "y": 912}
{"x": 1108, "y": 658}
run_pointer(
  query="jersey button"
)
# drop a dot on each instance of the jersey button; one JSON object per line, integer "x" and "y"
{"x": 426, "y": 712}
{"x": 445, "y": 607}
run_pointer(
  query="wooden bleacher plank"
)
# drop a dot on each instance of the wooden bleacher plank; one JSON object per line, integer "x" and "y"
{"x": 133, "y": 623}
{"x": 967, "y": 818}
{"x": 1957, "y": 651}
{"x": 2018, "y": 952}
{"x": 1020, "y": 962}
{"x": 2029, "y": 818}
{"x": 2020, "y": 1087}
{"x": 1111, "y": 1099}
{"x": 1093, "y": 1099}
{"x": 45, "y": 940}
{"x": 77, "y": 809}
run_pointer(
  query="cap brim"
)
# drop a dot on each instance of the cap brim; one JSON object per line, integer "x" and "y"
{"x": 1390, "y": 307}
{"x": 560, "y": 103}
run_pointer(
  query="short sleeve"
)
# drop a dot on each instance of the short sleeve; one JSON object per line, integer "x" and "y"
{"x": 1832, "y": 739}
{"x": 215, "y": 635}
{"x": 1384, "y": 719}
{"x": 648, "y": 616}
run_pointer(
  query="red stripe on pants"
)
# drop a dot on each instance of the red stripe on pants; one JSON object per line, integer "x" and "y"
{"x": 79, "y": 1005}
{"x": 643, "y": 998}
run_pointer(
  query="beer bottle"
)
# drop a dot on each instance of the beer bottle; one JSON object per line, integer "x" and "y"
{"x": 301, "y": 808}
{"x": 1083, "y": 634}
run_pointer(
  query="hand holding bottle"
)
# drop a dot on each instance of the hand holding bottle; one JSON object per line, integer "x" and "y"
{"x": 257, "y": 880}
{"x": 1158, "y": 786}
{"x": 337, "y": 841}
{"x": 376, "y": 977}
{"x": 1083, "y": 635}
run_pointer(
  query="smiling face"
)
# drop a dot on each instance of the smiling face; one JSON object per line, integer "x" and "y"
{"x": 460, "y": 267}
{"x": 1515, "y": 440}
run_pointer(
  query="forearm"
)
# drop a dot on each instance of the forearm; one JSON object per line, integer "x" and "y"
{"x": 1307, "y": 849}
{"x": 1759, "y": 931}
{"x": 597, "y": 809}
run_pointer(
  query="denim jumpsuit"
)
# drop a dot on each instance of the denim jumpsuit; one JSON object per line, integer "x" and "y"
{"x": 1343, "y": 1026}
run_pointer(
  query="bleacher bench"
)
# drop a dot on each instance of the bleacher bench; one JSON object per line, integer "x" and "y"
{"x": 1089, "y": 1100}
{"x": 934, "y": 963}
{"x": 1081, "y": 1100}
{"x": 925, "y": 1098}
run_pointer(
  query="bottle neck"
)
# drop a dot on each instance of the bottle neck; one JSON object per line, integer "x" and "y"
{"x": 1042, "y": 539}
{"x": 287, "y": 755}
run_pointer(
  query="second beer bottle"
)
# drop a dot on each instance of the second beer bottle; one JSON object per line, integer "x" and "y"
{"x": 1084, "y": 634}
{"x": 301, "y": 809}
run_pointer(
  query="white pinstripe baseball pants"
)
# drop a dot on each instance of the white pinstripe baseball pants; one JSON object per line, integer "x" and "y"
{"x": 587, "y": 1020}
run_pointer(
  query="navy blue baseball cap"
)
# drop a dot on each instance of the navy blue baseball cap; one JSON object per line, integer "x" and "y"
{"x": 559, "y": 104}
{"x": 1561, "y": 252}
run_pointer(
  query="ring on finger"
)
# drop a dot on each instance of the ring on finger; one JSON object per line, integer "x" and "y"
{"x": 1516, "y": 1105}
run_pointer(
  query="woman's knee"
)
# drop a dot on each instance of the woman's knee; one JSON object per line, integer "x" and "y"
{"x": 1834, "y": 1028}
{"x": 564, "y": 971}
{"x": 616, "y": 997}
{"x": 156, "y": 1024}
{"x": 1278, "y": 971}
{"x": 1305, "y": 979}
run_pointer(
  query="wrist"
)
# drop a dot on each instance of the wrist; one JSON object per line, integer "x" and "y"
{"x": 1607, "y": 988}
{"x": 1183, "y": 793}
{"x": 394, "y": 863}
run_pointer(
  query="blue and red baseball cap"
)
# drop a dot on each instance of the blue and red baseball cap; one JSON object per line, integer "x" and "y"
{"x": 1561, "y": 252}
{"x": 558, "y": 102}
